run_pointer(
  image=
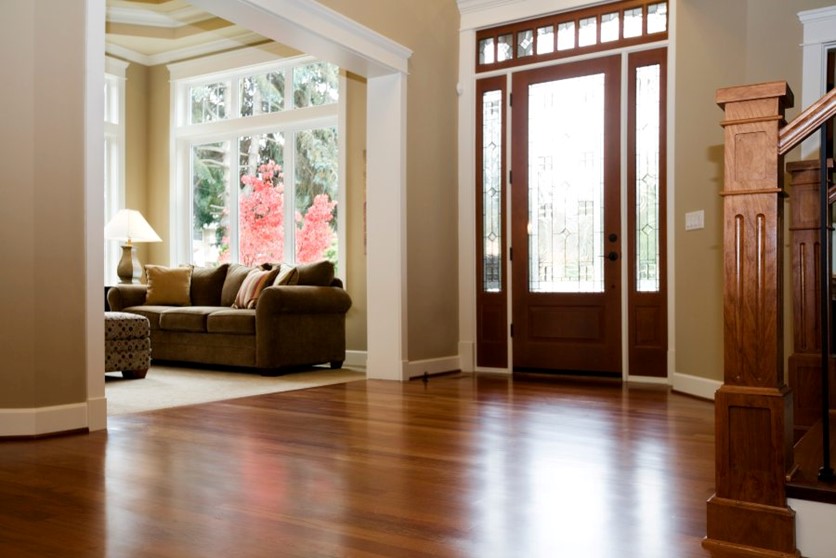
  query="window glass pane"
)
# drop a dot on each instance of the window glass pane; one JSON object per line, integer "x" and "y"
{"x": 504, "y": 48}
{"x": 609, "y": 27}
{"x": 657, "y": 17}
{"x": 525, "y": 43}
{"x": 316, "y": 195}
{"x": 647, "y": 178}
{"x": 261, "y": 199}
{"x": 587, "y": 31}
{"x": 208, "y": 102}
{"x": 566, "y": 35}
{"x": 632, "y": 23}
{"x": 566, "y": 185}
{"x": 486, "y": 51}
{"x": 210, "y": 203}
{"x": 492, "y": 191}
{"x": 315, "y": 84}
{"x": 545, "y": 40}
{"x": 262, "y": 94}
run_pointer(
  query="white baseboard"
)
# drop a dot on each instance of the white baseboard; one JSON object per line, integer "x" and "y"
{"x": 814, "y": 533}
{"x": 356, "y": 358}
{"x": 647, "y": 380}
{"x": 43, "y": 420}
{"x": 416, "y": 368}
{"x": 694, "y": 385}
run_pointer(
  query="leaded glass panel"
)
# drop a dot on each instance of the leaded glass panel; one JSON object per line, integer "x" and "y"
{"x": 657, "y": 17}
{"x": 492, "y": 191}
{"x": 587, "y": 31}
{"x": 566, "y": 187}
{"x": 647, "y": 178}
{"x": 545, "y": 39}
{"x": 609, "y": 27}
{"x": 525, "y": 43}
{"x": 505, "y": 48}
{"x": 633, "y": 23}
{"x": 486, "y": 55}
{"x": 566, "y": 35}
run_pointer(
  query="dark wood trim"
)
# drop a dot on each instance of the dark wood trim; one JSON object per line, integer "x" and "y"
{"x": 565, "y": 17}
{"x": 491, "y": 307}
{"x": 647, "y": 312}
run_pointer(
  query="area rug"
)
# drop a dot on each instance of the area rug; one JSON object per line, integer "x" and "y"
{"x": 170, "y": 386}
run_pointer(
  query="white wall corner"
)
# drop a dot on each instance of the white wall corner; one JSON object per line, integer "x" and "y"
{"x": 467, "y": 356}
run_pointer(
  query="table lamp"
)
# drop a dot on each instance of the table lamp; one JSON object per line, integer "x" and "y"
{"x": 129, "y": 226}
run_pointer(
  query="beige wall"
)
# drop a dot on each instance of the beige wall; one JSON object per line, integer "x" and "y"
{"x": 430, "y": 29}
{"x": 42, "y": 223}
{"x": 718, "y": 44}
{"x": 355, "y": 254}
{"x": 136, "y": 147}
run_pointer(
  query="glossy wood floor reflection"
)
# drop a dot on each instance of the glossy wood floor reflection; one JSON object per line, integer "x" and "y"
{"x": 460, "y": 466}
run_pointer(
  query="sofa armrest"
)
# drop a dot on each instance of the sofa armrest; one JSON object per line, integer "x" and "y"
{"x": 302, "y": 299}
{"x": 120, "y": 297}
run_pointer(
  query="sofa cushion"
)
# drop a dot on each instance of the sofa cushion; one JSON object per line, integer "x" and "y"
{"x": 168, "y": 285}
{"x": 235, "y": 275}
{"x": 191, "y": 318}
{"x": 237, "y": 322}
{"x": 252, "y": 286}
{"x": 316, "y": 274}
{"x": 207, "y": 285}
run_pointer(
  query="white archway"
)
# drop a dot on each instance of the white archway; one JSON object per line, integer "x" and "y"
{"x": 315, "y": 29}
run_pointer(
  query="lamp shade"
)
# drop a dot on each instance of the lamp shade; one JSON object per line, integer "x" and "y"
{"x": 130, "y": 226}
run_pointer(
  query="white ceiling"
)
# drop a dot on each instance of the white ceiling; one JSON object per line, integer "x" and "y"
{"x": 152, "y": 32}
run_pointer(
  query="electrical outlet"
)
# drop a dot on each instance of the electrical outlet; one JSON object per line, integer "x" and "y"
{"x": 695, "y": 220}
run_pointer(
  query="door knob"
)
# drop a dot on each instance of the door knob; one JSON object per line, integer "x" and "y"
{"x": 613, "y": 237}
{"x": 612, "y": 256}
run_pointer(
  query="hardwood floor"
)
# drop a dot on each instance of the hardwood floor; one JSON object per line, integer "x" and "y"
{"x": 460, "y": 466}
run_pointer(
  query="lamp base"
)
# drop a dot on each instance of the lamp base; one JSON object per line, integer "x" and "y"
{"x": 129, "y": 270}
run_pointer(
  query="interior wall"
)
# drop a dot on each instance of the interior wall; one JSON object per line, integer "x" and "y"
{"x": 356, "y": 333}
{"x": 157, "y": 192}
{"x": 136, "y": 146}
{"x": 42, "y": 217}
{"x": 430, "y": 29}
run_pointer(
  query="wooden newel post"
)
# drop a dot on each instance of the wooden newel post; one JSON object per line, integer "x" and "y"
{"x": 748, "y": 514}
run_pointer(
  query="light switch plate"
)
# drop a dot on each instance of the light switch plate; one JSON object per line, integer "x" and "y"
{"x": 695, "y": 220}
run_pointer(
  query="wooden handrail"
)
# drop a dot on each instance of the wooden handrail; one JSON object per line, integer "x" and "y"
{"x": 807, "y": 122}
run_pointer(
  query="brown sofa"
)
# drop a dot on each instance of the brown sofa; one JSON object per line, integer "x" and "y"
{"x": 297, "y": 319}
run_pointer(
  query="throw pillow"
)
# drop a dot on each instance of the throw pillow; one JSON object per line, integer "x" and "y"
{"x": 287, "y": 275}
{"x": 207, "y": 284}
{"x": 235, "y": 275}
{"x": 252, "y": 286}
{"x": 168, "y": 285}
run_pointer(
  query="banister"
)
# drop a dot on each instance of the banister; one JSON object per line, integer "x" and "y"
{"x": 807, "y": 122}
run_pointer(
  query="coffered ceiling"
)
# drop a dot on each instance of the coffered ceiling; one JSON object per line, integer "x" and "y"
{"x": 153, "y": 32}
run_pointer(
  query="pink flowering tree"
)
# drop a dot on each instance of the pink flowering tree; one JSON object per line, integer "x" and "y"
{"x": 261, "y": 221}
{"x": 261, "y": 216}
{"x": 315, "y": 235}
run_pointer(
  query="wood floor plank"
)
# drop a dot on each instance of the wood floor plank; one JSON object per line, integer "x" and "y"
{"x": 460, "y": 466}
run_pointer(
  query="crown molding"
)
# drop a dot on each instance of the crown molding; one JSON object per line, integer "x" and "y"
{"x": 150, "y": 18}
{"x": 243, "y": 40}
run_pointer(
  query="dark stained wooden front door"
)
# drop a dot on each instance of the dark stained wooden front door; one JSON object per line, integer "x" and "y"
{"x": 566, "y": 229}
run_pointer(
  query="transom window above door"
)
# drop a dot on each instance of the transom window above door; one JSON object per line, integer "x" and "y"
{"x": 562, "y": 35}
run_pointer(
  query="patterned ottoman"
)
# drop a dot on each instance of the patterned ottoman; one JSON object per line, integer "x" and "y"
{"x": 127, "y": 344}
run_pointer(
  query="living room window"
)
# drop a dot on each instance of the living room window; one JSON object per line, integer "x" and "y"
{"x": 258, "y": 163}
{"x": 114, "y": 155}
